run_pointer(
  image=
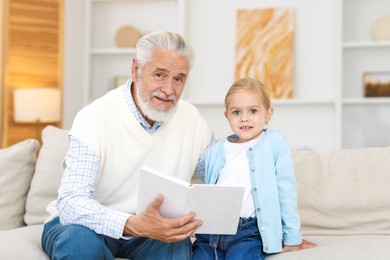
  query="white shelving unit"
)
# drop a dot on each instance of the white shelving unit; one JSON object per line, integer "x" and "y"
{"x": 333, "y": 50}
{"x": 365, "y": 120}
{"x": 104, "y": 60}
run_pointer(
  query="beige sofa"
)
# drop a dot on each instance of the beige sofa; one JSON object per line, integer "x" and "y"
{"x": 344, "y": 204}
{"x": 344, "y": 199}
{"x": 27, "y": 185}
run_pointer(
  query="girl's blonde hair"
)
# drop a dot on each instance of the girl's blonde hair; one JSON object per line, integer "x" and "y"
{"x": 249, "y": 84}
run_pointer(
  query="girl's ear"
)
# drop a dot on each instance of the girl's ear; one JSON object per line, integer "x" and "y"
{"x": 269, "y": 114}
{"x": 225, "y": 113}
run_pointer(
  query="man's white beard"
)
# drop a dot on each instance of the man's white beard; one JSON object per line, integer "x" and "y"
{"x": 148, "y": 110}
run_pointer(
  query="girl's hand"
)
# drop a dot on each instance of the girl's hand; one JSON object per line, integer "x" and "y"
{"x": 304, "y": 245}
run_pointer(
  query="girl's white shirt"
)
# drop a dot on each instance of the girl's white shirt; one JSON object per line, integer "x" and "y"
{"x": 236, "y": 173}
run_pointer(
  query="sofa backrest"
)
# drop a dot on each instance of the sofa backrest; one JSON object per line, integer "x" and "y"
{"x": 17, "y": 164}
{"x": 47, "y": 175}
{"x": 28, "y": 184}
{"x": 344, "y": 192}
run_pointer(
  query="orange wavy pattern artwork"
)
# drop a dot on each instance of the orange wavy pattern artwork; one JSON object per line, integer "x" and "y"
{"x": 265, "y": 48}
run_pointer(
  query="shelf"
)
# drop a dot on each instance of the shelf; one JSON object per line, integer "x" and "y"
{"x": 200, "y": 103}
{"x": 279, "y": 102}
{"x": 306, "y": 102}
{"x": 365, "y": 44}
{"x": 108, "y": 51}
{"x": 109, "y": 1}
{"x": 367, "y": 101}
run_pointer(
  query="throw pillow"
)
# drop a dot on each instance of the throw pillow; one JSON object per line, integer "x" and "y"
{"x": 17, "y": 164}
{"x": 344, "y": 192}
{"x": 47, "y": 176}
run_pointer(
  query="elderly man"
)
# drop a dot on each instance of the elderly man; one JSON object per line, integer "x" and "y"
{"x": 143, "y": 122}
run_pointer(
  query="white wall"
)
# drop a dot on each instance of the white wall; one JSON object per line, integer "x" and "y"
{"x": 73, "y": 59}
{"x": 211, "y": 29}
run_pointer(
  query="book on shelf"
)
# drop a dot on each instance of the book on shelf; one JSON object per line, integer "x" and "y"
{"x": 216, "y": 205}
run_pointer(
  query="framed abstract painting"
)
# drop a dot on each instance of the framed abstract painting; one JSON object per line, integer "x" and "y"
{"x": 265, "y": 48}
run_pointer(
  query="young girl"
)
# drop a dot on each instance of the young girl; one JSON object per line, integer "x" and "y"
{"x": 260, "y": 160}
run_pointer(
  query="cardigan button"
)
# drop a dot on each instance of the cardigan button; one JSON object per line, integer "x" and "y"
{"x": 255, "y": 189}
{"x": 250, "y": 148}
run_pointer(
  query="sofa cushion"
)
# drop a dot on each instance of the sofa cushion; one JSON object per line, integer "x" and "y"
{"x": 341, "y": 247}
{"x": 22, "y": 243}
{"x": 344, "y": 192}
{"x": 47, "y": 176}
{"x": 16, "y": 170}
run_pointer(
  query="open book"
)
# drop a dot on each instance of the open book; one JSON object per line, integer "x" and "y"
{"x": 217, "y": 206}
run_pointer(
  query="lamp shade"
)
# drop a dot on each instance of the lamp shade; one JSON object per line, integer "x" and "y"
{"x": 37, "y": 105}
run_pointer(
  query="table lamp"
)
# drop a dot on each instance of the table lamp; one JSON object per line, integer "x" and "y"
{"x": 37, "y": 105}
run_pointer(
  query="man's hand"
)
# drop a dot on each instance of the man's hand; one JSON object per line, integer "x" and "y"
{"x": 151, "y": 224}
{"x": 304, "y": 245}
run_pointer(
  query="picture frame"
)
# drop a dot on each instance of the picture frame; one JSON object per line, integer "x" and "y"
{"x": 120, "y": 80}
{"x": 265, "y": 40}
{"x": 376, "y": 84}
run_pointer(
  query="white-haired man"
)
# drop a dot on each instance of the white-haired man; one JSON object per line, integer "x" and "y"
{"x": 143, "y": 122}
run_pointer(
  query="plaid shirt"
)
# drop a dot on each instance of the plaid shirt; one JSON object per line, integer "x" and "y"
{"x": 79, "y": 179}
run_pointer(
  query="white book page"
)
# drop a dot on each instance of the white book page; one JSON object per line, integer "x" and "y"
{"x": 173, "y": 190}
{"x": 218, "y": 206}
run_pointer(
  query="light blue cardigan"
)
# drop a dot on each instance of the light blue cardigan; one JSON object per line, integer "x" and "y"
{"x": 273, "y": 188}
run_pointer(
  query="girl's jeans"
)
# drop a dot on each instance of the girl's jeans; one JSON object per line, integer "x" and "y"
{"x": 245, "y": 244}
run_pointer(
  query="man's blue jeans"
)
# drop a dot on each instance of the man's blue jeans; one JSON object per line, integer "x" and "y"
{"x": 246, "y": 244}
{"x": 78, "y": 242}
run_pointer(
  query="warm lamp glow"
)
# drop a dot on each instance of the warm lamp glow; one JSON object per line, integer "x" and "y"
{"x": 37, "y": 105}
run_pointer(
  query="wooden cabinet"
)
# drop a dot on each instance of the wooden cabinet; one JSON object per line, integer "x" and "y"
{"x": 31, "y": 57}
{"x": 2, "y": 62}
